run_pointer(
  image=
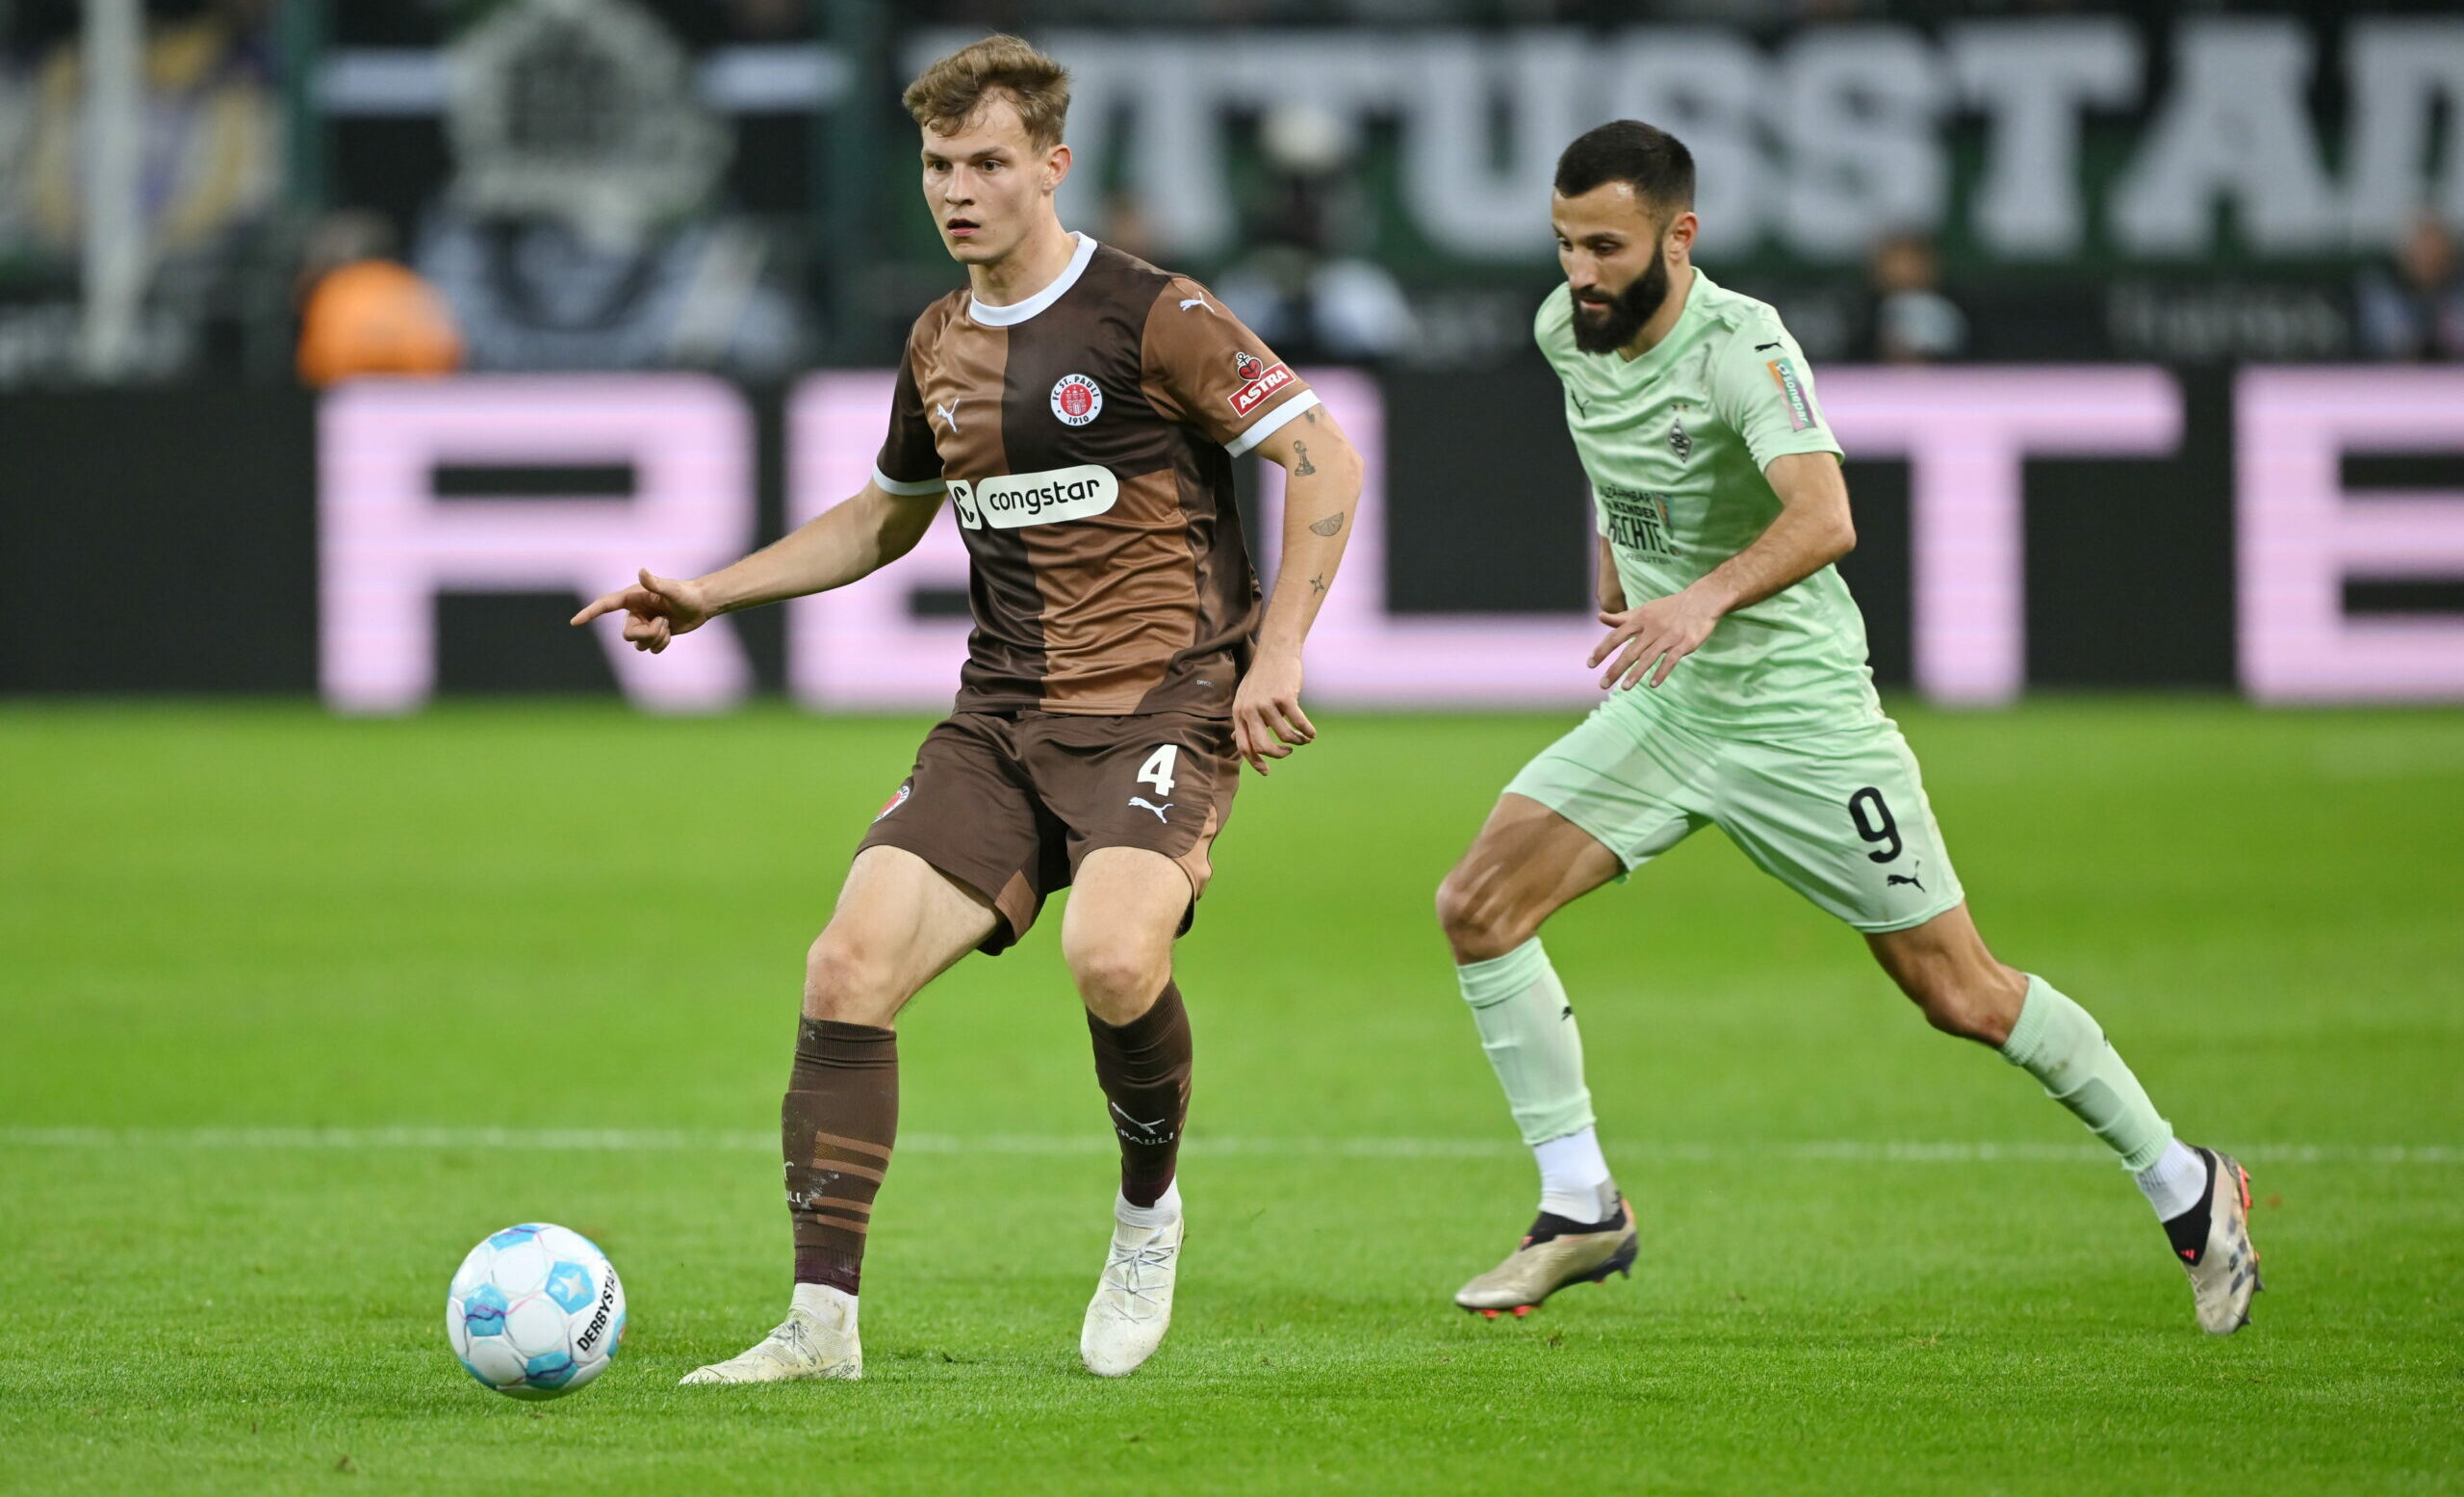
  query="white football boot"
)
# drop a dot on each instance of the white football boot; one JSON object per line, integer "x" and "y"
{"x": 817, "y": 1340}
{"x": 2224, "y": 1266}
{"x": 1133, "y": 1304}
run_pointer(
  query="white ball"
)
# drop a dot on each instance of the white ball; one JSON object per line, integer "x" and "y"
{"x": 536, "y": 1311}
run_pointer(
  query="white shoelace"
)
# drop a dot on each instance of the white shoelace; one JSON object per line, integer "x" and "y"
{"x": 1122, "y": 1274}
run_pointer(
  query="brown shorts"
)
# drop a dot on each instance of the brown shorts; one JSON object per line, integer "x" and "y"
{"x": 1010, "y": 802}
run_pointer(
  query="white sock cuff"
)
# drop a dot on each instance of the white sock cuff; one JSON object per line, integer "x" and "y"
{"x": 1574, "y": 1182}
{"x": 1502, "y": 977}
{"x": 822, "y": 1299}
{"x": 2175, "y": 1183}
{"x": 1573, "y": 1160}
{"x": 1166, "y": 1210}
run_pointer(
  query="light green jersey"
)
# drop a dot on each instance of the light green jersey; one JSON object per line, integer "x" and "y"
{"x": 1675, "y": 443}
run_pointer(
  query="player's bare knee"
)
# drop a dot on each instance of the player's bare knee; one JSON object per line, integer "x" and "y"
{"x": 1481, "y": 923}
{"x": 1995, "y": 998}
{"x": 844, "y": 984}
{"x": 1452, "y": 904}
{"x": 1959, "y": 1004}
{"x": 1118, "y": 976}
{"x": 1945, "y": 1012}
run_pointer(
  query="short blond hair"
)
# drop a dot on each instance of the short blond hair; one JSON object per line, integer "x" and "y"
{"x": 947, "y": 95}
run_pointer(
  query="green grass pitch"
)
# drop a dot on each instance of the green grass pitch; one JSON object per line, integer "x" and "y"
{"x": 268, "y": 981}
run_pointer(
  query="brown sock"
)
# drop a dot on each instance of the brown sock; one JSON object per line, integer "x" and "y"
{"x": 835, "y": 1128}
{"x": 1144, "y": 1066}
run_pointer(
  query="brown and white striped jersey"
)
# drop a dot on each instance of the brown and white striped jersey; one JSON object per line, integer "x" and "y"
{"x": 1086, "y": 438}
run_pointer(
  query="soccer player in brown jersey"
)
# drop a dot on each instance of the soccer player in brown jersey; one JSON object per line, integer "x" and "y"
{"x": 1079, "y": 409}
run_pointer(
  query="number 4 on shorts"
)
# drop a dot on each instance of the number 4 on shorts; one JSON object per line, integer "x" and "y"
{"x": 1157, "y": 771}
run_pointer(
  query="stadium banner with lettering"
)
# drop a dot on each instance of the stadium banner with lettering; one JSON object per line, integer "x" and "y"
{"x": 2297, "y": 532}
{"x": 2134, "y": 185}
{"x": 2095, "y": 186}
{"x": 2079, "y": 138}
{"x": 2120, "y": 185}
{"x": 2091, "y": 185}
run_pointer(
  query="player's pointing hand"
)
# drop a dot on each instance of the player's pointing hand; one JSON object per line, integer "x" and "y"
{"x": 656, "y": 609}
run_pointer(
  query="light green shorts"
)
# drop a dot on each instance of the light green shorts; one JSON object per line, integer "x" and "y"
{"x": 1839, "y": 815}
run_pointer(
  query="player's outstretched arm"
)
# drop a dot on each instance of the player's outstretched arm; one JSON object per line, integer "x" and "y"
{"x": 842, "y": 543}
{"x": 1320, "y": 494}
{"x": 1812, "y": 530}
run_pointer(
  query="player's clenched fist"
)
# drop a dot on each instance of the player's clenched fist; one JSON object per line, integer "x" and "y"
{"x": 657, "y": 610}
{"x": 1267, "y": 719}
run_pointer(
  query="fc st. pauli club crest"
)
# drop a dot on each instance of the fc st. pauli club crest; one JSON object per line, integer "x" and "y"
{"x": 1076, "y": 399}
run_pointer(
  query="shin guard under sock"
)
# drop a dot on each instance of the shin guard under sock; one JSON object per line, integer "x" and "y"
{"x": 1144, "y": 1066}
{"x": 2057, "y": 1043}
{"x": 835, "y": 1129}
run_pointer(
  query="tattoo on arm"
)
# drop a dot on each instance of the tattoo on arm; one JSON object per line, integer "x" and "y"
{"x": 1318, "y": 585}
{"x": 1310, "y": 415}
{"x": 1329, "y": 524}
{"x": 1306, "y": 467}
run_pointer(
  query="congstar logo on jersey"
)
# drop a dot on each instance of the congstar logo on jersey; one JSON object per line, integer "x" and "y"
{"x": 1023, "y": 499}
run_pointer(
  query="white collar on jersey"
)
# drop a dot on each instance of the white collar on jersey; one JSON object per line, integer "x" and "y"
{"x": 1012, "y": 314}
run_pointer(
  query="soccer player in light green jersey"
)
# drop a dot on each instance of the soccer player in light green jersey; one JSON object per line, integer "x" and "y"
{"x": 1739, "y": 698}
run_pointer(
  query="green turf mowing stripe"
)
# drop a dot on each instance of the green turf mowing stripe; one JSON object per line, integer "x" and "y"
{"x": 671, "y": 1140}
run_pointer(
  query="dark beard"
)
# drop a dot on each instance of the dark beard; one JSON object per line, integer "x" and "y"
{"x": 1607, "y": 332}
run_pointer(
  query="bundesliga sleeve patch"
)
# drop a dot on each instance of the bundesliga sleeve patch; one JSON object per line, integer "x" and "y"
{"x": 1259, "y": 381}
{"x": 1783, "y": 374}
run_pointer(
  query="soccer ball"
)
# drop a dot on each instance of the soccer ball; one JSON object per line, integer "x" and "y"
{"x": 536, "y": 1311}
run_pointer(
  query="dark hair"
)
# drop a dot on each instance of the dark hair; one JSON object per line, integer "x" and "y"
{"x": 1655, "y": 163}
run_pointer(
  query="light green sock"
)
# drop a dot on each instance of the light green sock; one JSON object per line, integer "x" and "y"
{"x": 2058, "y": 1043}
{"x": 1529, "y": 1029}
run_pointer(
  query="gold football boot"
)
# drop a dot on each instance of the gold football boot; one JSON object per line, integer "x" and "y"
{"x": 1548, "y": 1259}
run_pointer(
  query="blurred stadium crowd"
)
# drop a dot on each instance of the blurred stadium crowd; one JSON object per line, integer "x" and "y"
{"x": 325, "y": 187}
